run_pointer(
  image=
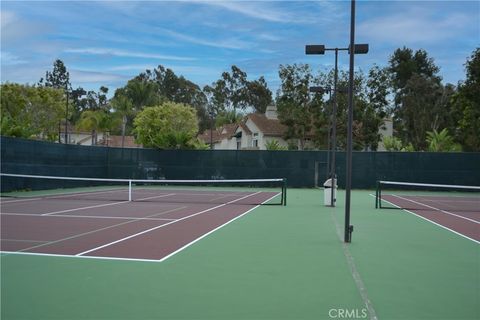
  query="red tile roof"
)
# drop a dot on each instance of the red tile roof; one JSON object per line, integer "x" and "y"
{"x": 116, "y": 141}
{"x": 269, "y": 127}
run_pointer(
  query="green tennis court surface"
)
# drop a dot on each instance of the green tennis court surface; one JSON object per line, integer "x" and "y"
{"x": 273, "y": 263}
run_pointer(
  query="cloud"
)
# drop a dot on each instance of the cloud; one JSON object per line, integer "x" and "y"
{"x": 16, "y": 30}
{"x": 412, "y": 27}
{"x": 8, "y": 18}
{"x": 9, "y": 59}
{"x": 254, "y": 10}
{"x": 83, "y": 76}
{"x": 233, "y": 43}
{"x": 125, "y": 53}
{"x": 296, "y": 12}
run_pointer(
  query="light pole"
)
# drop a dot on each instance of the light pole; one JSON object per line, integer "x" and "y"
{"x": 66, "y": 114}
{"x": 322, "y": 90}
{"x": 320, "y": 49}
{"x": 362, "y": 49}
{"x": 357, "y": 49}
{"x": 211, "y": 129}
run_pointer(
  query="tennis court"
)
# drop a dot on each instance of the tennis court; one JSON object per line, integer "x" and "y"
{"x": 205, "y": 252}
{"x": 100, "y": 218}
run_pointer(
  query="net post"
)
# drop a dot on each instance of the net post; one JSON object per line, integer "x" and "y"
{"x": 376, "y": 195}
{"x": 380, "y": 194}
{"x": 284, "y": 192}
{"x": 130, "y": 190}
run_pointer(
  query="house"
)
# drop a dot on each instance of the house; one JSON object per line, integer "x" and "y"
{"x": 116, "y": 141}
{"x": 253, "y": 133}
{"x": 386, "y": 130}
{"x": 257, "y": 130}
{"x": 94, "y": 138}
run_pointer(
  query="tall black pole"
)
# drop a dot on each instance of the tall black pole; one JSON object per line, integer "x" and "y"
{"x": 329, "y": 146}
{"x": 334, "y": 128}
{"x": 348, "y": 185}
{"x": 66, "y": 114}
{"x": 211, "y": 130}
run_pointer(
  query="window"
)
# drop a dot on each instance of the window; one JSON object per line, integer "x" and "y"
{"x": 239, "y": 143}
{"x": 255, "y": 140}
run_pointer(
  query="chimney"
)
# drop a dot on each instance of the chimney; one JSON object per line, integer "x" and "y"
{"x": 271, "y": 113}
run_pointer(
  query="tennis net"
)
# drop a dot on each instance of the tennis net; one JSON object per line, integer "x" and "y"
{"x": 423, "y": 196}
{"x": 241, "y": 191}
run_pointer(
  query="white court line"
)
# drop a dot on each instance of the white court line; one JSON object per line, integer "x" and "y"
{"x": 53, "y": 196}
{"x": 362, "y": 289}
{"x": 163, "y": 225}
{"x": 443, "y": 211}
{"x": 103, "y": 205}
{"x": 17, "y": 240}
{"x": 19, "y": 200}
{"x": 84, "y": 216}
{"x": 435, "y": 223}
{"x": 84, "y": 208}
{"x": 97, "y": 230}
{"x": 76, "y": 257}
{"x": 212, "y": 231}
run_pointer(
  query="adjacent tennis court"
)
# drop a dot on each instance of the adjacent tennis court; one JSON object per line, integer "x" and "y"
{"x": 146, "y": 250}
{"x": 101, "y": 218}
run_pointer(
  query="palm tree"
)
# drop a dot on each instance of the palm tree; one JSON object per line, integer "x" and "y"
{"x": 93, "y": 120}
{"x": 123, "y": 109}
{"x": 441, "y": 141}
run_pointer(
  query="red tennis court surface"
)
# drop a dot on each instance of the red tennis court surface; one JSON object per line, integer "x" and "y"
{"x": 115, "y": 230}
{"x": 458, "y": 214}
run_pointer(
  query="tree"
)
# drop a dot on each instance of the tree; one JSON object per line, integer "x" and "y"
{"x": 167, "y": 126}
{"x": 377, "y": 107}
{"x": 233, "y": 94}
{"x": 466, "y": 105}
{"x": 128, "y": 101}
{"x": 94, "y": 120}
{"x": 274, "y": 145}
{"x": 422, "y": 109}
{"x": 178, "y": 89}
{"x": 395, "y": 144}
{"x": 122, "y": 110}
{"x": 228, "y": 117}
{"x": 296, "y": 108}
{"x": 59, "y": 78}
{"x": 441, "y": 141}
{"x": 236, "y": 88}
{"x": 258, "y": 95}
{"x": 31, "y": 112}
{"x": 419, "y": 96}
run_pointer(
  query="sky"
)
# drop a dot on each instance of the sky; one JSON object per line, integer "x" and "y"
{"x": 106, "y": 43}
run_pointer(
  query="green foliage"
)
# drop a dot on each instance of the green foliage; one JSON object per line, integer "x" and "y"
{"x": 274, "y": 145}
{"x": 233, "y": 92}
{"x": 441, "y": 141}
{"x": 258, "y": 95}
{"x": 395, "y": 144}
{"x": 31, "y": 112}
{"x": 167, "y": 126}
{"x": 95, "y": 120}
{"x": 466, "y": 105}
{"x": 421, "y": 101}
{"x": 180, "y": 90}
{"x": 227, "y": 117}
{"x": 392, "y": 143}
{"x": 299, "y": 111}
{"x": 58, "y": 78}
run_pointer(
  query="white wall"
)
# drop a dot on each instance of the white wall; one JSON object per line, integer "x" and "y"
{"x": 385, "y": 131}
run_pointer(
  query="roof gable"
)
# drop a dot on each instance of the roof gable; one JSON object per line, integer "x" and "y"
{"x": 269, "y": 127}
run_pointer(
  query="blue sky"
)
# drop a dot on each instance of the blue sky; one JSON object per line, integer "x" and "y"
{"x": 109, "y": 42}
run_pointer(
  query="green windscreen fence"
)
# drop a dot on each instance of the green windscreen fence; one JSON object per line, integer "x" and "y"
{"x": 300, "y": 168}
